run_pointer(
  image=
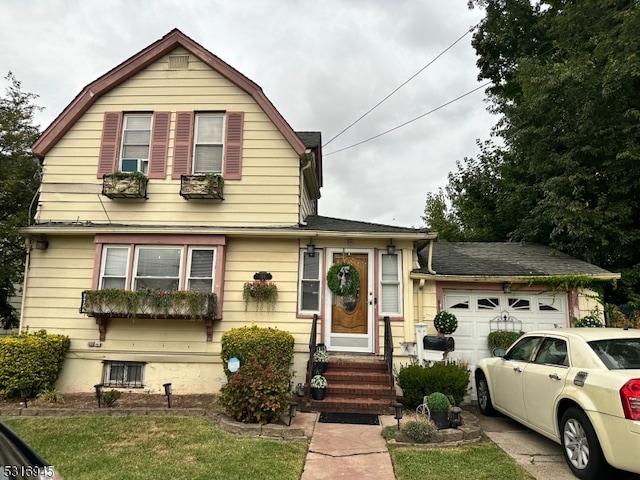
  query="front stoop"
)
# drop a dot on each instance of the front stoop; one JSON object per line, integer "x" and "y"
{"x": 355, "y": 384}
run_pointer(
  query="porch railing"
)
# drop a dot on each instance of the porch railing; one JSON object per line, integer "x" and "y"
{"x": 312, "y": 346}
{"x": 388, "y": 349}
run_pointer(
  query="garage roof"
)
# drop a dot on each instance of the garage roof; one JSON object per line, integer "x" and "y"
{"x": 504, "y": 259}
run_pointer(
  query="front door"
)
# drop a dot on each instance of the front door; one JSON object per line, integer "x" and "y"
{"x": 350, "y": 318}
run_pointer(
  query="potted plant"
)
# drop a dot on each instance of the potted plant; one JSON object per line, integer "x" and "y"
{"x": 439, "y": 404}
{"x": 445, "y": 322}
{"x": 318, "y": 386}
{"x": 262, "y": 292}
{"x": 320, "y": 361}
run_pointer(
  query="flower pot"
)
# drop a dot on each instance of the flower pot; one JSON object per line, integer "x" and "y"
{"x": 441, "y": 419}
{"x": 317, "y": 393}
{"x": 319, "y": 367}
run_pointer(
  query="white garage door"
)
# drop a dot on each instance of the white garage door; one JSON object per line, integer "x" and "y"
{"x": 479, "y": 313}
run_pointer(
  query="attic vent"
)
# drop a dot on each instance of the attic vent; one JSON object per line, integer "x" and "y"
{"x": 178, "y": 62}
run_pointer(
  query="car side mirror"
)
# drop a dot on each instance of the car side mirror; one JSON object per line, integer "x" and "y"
{"x": 498, "y": 352}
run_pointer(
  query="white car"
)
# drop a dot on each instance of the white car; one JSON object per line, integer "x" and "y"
{"x": 577, "y": 386}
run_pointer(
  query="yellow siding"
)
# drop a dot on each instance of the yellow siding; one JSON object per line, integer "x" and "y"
{"x": 268, "y": 194}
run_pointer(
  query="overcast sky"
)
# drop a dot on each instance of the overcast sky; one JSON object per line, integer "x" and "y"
{"x": 323, "y": 64}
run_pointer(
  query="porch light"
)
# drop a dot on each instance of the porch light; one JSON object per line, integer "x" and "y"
{"x": 506, "y": 287}
{"x": 391, "y": 248}
{"x": 398, "y": 408}
{"x": 293, "y": 406}
{"x": 167, "y": 392}
{"x": 98, "y": 388}
{"x": 455, "y": 417}
{"x": 24, "y": 394}
{"x": 42, "y": 243}
{"x": 311, "y": 249}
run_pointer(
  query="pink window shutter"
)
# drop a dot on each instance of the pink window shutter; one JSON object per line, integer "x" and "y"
{"x": 233, "y": 146}
{"x": 110, "y": 143}
{"x": 182, "y": 145}
{"x": 159, "y": 145}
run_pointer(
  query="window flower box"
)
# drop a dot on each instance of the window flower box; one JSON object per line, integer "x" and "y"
{"x": 125, "y": 185}
{"x": 207, "y": 185}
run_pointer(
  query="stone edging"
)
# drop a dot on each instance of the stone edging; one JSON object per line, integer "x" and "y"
{"x": 468, "y": 433}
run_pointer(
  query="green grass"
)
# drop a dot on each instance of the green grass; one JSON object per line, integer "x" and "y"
{"x": 147, "y": 447}
{"x": 481, "y": 461}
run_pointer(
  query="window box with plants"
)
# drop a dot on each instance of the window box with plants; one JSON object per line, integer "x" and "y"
{"x": 262, "y": 292}
{"x": 204, "y": 185}
{"x": 317, "y": 387}
{"x": 125, "y": 185}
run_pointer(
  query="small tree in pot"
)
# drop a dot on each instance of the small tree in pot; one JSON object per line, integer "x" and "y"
{"x": 438, "y": 404}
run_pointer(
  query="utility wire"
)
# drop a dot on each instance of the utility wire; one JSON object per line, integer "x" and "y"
{"x": 410, "y": 121}
{"x": 403, "y": 84}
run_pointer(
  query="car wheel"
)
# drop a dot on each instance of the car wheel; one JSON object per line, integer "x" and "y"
{"x": 581, "y": 447}
{"x": 484, "y": 397}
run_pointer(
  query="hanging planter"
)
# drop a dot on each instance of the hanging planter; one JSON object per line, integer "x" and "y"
{"x": 343, "y": 279}
{"x": 262, "y": 292}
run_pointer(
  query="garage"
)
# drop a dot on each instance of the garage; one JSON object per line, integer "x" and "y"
{"x": 481, "y": 312}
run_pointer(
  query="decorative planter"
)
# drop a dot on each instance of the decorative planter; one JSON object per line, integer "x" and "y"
{"x": 202, "y": 186}
{"x": 317, "y": 393}
{"x": 124, "y": 185}
{"x": 319, "y": 367}
{"x": 441, "y": 419}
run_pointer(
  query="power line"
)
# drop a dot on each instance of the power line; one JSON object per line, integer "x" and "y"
{"x": 410, "y": 121}
{"x": 402, "y": 85}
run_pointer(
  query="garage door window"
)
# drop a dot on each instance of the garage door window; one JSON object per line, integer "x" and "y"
{"x": 489, "y": 303}
{"x": 519, "y": 304}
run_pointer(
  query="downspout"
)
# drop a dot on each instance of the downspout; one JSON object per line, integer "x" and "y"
{"x": 25, "y": 278}
{"x": 430, "y": 258}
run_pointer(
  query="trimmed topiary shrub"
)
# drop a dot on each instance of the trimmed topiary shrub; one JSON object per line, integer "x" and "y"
{"x": 449, "y": 377}
{"x": 258, "y": 392}
{"x": 445, "y": 322}
{"x": 33, "y": 360}
{"x": 502, "y": 339}
{"x": 276, "y": 345}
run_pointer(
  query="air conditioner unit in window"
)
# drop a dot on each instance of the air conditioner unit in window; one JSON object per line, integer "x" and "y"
{"x": 130, "y": 165}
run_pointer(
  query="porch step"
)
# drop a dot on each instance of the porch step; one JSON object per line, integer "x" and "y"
{"x": 356, "y": 384}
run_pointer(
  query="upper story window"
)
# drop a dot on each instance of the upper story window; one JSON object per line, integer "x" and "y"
{"x": 390, "y": 291}
{"x": 150, "y": 266}
{"x": 309, "y": 301}
{"x": 208, "y": 143}
{"x": 136, "y": 138}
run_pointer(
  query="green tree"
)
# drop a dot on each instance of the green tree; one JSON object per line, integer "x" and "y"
{"x": 19, "y": 181}
{"x": 566, "y": 86}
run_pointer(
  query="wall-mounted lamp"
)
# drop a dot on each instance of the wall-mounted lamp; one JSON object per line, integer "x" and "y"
{"x": 506, "y": 287}
{"x": 311, "y": 249}
{"x": 391, "y": 248}
{"x": 42, "y": 243}
{"x": 167, "y": 392}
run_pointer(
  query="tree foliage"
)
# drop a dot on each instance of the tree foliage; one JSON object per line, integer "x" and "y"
{"x": 566, "y": 85}
{"x": 19, "y": 181}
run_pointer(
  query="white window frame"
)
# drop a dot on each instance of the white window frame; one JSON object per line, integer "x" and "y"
{"x": 125, "y": 383}
{"x": 133, "y": 257}
{"x": 197, "y": 141}
{"x": 135, "y": 277}
{"x": 189, "y": 278}
{"x": 103, "y": 265}
{"x": 396, "y": 282}
{"x": 302, "y": 280}
{"x": 142, "y": 163}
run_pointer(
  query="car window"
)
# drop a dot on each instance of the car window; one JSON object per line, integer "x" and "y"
{"x": 618, "y": 353}
{"x": 553, "y": 351}
{"x": 523, "y": 350}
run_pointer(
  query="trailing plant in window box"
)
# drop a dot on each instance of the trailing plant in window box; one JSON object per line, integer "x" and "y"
{"x": 343, "y": 279}
{"x": 125, "y": 185}
{"x": 146, "y": 302}
{"x": 204, "y": 185}
{"x": 445, "y": 322}
{"x": 261, "y": 292}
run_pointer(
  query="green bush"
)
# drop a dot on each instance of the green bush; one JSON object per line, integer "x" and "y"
{"x": 33, "y": 360}
{"x": 419, "y": 429}
{"x": 438, "y": 402}
{"x": 276, "y": 345}
{"x": 502, "y": 339}
{"x": 258, "y": 392}
{"x": 448, "y": 377}
{"x": 111, "y": 397}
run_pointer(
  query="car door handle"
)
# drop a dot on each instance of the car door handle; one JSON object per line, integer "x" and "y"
{"x": 517, "y": 369}
{"x": 554, "y": 376}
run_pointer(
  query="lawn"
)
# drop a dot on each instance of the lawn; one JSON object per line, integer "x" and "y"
{"x": 148, "y": 447}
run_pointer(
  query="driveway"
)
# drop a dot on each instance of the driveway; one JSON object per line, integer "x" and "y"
{"x": 541, "y": 457}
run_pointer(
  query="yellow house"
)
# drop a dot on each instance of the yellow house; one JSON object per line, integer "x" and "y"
{"x": 172, "y": 187}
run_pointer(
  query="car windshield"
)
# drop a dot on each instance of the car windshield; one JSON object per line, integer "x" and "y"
{"x": 618, "y": 353}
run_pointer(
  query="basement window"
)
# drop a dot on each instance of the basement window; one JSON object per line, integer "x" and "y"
{"x": 123, "y": 374}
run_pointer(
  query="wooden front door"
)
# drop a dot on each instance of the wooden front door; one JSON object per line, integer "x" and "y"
{"x": 349, "y": 326}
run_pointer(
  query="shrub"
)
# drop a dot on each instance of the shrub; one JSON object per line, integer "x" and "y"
{"x": 276, "y": 345}
{"x": 438, "y": 402}
{"x": 625, "y": 316}
{"x": 591, "y": 321}
{"x": 502, "y": 339}
{"x": 51, "y": 396}
{"x": 111, "y": 397}
{"x": 449, "y": 377}
{"x": 445, "y": 322}
{"x": 258, "y": 392}
{"x": 33, "y": 360}
{"x": 419, "y": 429}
